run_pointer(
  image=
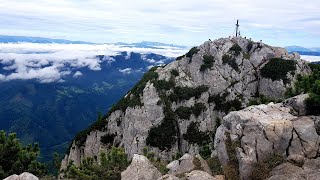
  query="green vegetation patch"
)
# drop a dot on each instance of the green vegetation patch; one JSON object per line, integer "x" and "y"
{"x": 185, "y": 93}
{"x": 174, "y": 72}
{"x": 189, "y": 54}
{"x": 180, "y": 57}
{"x": 164, "y": 85}
{"x": 313, "y": 104}
{"x": 108, "y": 139}
{"x": 231, "y": 61}
{"x": 16, "y": 158}
{"x": 308, "y": 84}
{"x": 112, "y": 164}
{"x": 185, "y": 112}
{"x": 215, "y": 165}
{"x": 223, "y": 105}
{"x": 277, "y": 69}
{"x": 236, "y": 49}
{"x": 226, "y": 58}
{"x": 208, "y": 61}
{"x": 205, "y": 151}
{"x": 195, "y": 136}
{"x": 192, "y": 51}
{"x": 163, "y": 136}
{"x": 198, "y": 108}
{"x": 262, "y": 99}
{"x": 249, "y": 46}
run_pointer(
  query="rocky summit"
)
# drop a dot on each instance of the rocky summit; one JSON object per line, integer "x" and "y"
{"x": 198, "y": 103}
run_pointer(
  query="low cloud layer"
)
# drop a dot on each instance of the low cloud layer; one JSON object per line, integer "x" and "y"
{"x": 311, "y": 58}
{"x": 51, "y": 62}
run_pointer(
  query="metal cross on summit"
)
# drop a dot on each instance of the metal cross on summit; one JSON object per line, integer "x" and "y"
{"x": 237, "y": 29}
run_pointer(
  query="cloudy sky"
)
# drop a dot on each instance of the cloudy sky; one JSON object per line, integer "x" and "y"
{"x": 186, "y": 22}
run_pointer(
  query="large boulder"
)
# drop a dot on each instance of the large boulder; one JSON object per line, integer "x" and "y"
{"x": 140, "y": 169}
{"x": 23, "y": 176}
{"x": 263, "y": 130}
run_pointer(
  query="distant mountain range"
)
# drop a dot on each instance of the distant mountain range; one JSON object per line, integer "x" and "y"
{"x": 148, "y": 44}
{"x": 17, "y": 39}
{"x": 304, "y": 51}
{"x": 41, "y": 40}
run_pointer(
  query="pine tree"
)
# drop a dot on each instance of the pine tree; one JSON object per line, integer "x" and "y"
{"x": 16, "y": 158}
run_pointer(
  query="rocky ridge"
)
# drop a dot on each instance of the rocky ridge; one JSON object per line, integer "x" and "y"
{"x": 187, "y": 97}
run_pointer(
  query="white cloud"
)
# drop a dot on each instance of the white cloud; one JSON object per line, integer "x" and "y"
{"x": 77, "y": 74}
{"x": 181, "y": 21}
{"x": 125, "y": 71}
{"x": 310, "y": 58}
{"x": 52, "y": 62}
{"x": 2, "y": 77}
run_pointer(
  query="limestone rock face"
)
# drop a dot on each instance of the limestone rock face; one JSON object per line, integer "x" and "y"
{"x": 23, "y": 176}
{"x": 231, "y": 78}
{"x": 92, "y": 147}
{"x": 263, "y": 130}
{"x": 140, "y": 168}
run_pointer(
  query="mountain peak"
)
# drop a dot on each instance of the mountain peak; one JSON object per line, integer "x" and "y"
{"x": 177, "y": 107}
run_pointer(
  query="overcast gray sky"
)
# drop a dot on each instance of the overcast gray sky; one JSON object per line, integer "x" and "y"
{"x": 186, "y": 22}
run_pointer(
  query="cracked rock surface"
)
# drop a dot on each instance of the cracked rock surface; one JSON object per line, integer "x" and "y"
{"x": 264, "y": 130}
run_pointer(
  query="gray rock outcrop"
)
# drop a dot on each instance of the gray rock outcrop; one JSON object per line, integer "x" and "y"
{"x": 265, "y": 130}
{"x": 23, "y": 176}
{"x": 140, "y": 168}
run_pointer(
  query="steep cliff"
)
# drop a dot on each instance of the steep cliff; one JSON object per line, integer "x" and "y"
{"x": 178, "y": 107}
